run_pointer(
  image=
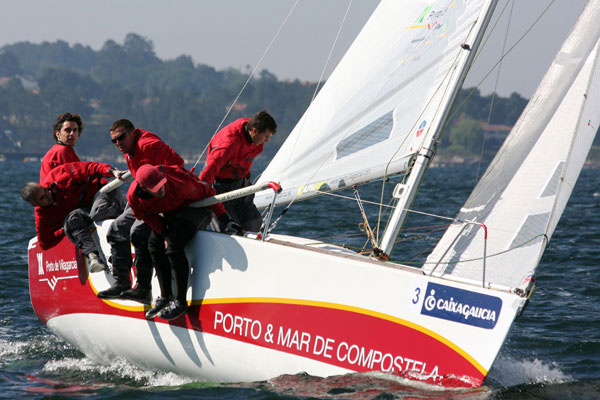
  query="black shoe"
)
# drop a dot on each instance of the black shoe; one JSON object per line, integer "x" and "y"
{"x": 159, "y": 304}
{"x": 113, "y": 292}
{"x": 174, "y": 310}
{"x": 143, "y": 296}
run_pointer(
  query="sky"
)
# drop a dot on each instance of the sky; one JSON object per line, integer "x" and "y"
{"x": 236, "y": 33}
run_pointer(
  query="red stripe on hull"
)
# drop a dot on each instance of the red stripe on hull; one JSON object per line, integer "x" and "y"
{"x": 346, "y": 339}
{"x": 323, "y": 332}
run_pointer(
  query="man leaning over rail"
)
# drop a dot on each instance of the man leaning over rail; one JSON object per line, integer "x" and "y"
{"x": 68, "y": 201}
{"x": 169, "y": 191}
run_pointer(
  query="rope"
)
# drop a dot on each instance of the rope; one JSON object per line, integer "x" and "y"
{"x": 325, "y": 65}
{"x": 419, "y": 117}
{"x": 258, "y": 64}
{"x": 494, "y": 93}
{"x": 491, "y": 255}
{"x": 286, "y": 208}
{"x": 461, "y": 104}
{"x": 350, "y": 198}
{"x": 365, "y": 225}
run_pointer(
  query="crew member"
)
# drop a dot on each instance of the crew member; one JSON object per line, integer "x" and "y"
{"x": 231, "y": 153}
{"x": 169, "y": 191}
{"x": 68, "y": 201}
{"x": 139, "y": 147}
{"x": 66, "y": 130}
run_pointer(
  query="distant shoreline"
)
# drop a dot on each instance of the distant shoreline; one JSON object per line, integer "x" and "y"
{"x": 440, "y": 161}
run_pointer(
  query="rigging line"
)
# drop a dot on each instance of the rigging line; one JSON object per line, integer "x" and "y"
{"x": 303, "y": 120}
{"x": 459, "y": 107}
{"x": 364, "y": 201}
{"x": 494, "y": 92}
{"x": 489, "y": 33}
{"x": 543, "y": 235}
{"x": 420, "y": 254}
{"x": 258, "y": 64}
{"x": 367, "y": 228}
{"x": 385, "y": 176}
{"x": 351, "y": 198}
{"x": 407, "y": 209}
{"x": 423, "y": 140}
{"x": 349, "y": 129}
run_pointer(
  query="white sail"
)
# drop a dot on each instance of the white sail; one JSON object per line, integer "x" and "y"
{"x": 526, "y": 187}
{"x": 259, "y": 309}
{"x": 377, "y": 108}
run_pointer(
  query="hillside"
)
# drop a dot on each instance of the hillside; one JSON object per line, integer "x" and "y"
{"x": 182, "y": 102}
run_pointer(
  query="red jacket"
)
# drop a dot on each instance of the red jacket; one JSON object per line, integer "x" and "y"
{"x": 150, "y": 149}
{"x": 73, "y": 185}
{"x": 230, "y": 153}
{"x": 182, "y": 189}
{"x": 57, "y": 155}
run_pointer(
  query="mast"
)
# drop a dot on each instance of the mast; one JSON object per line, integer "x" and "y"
{"x": 405, "y": 193}
{"x": 527, "y": 185}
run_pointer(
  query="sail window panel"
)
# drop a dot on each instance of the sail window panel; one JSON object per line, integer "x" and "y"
{"x": 530, "y": 231}
{"x": 552, "y": 186}
{"x": 375, "y": 132}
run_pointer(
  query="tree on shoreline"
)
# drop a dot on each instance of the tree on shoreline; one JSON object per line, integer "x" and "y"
{"x": 182, "y": 102}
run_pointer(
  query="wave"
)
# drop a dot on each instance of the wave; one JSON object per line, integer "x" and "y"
{"x": 507, "y": 372}
{"x": 118, "y": 370}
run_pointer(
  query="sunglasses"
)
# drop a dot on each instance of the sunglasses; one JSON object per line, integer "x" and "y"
{"x": 119, "y": 138}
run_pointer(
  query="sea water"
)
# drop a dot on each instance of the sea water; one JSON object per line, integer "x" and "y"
{"x": 552, "y": 352}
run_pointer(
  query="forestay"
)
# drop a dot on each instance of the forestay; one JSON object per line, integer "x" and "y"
{"x": 526, "y": 187}
{"x": 386, "y": 97}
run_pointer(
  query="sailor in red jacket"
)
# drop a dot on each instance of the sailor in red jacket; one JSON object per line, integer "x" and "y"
{"x": 231, "y": 153}
{"x": 67, "y": 129}
{"x": 139, "y": 147}
{"x": 67, "y": 202}
{"x": 169, "y": 191}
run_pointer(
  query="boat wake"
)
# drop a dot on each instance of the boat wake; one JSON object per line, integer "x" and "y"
{"x": 65, "y": 371}
{"x": 64, "y": 365}
{"x": 362, "y": 386}
{"x": 118, "y": 371}
{"x": 508, "y": 372}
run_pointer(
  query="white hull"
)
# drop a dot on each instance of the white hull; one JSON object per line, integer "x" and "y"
{"x": 306, "y": 307}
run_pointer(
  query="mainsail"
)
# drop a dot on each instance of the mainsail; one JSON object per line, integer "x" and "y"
{"x": 526, "y": 187}
{"x": 386, "y": 98}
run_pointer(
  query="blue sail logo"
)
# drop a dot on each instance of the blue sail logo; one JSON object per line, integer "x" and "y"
{"x": 461, "y": 306}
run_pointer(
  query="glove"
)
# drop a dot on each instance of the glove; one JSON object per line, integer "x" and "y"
{"x": 233, "y": 228}
{"x": 117, "y": 173}
{"x": 229, "y": 226}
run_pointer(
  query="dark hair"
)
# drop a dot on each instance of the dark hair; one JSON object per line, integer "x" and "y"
{"x": 62, "y": 118}
{"x": 29, "y": 191}
{"x": 263, "y": 121}
{"x": 122, "y": 123}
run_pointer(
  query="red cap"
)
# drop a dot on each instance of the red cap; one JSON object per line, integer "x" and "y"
{"x": 150, "y": 178}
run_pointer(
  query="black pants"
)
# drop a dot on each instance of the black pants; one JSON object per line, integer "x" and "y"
{"x": 124, "y": 231}
{"x": 182, "y": 226}
{"x": 242, "y": 210}
{"x": 78, "y": 222}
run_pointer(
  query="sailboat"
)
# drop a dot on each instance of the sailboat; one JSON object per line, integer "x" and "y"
{"x": 267, "y": 304}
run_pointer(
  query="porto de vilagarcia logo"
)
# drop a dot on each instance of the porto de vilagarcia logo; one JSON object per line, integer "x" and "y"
{"x": 461, "y": 306}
